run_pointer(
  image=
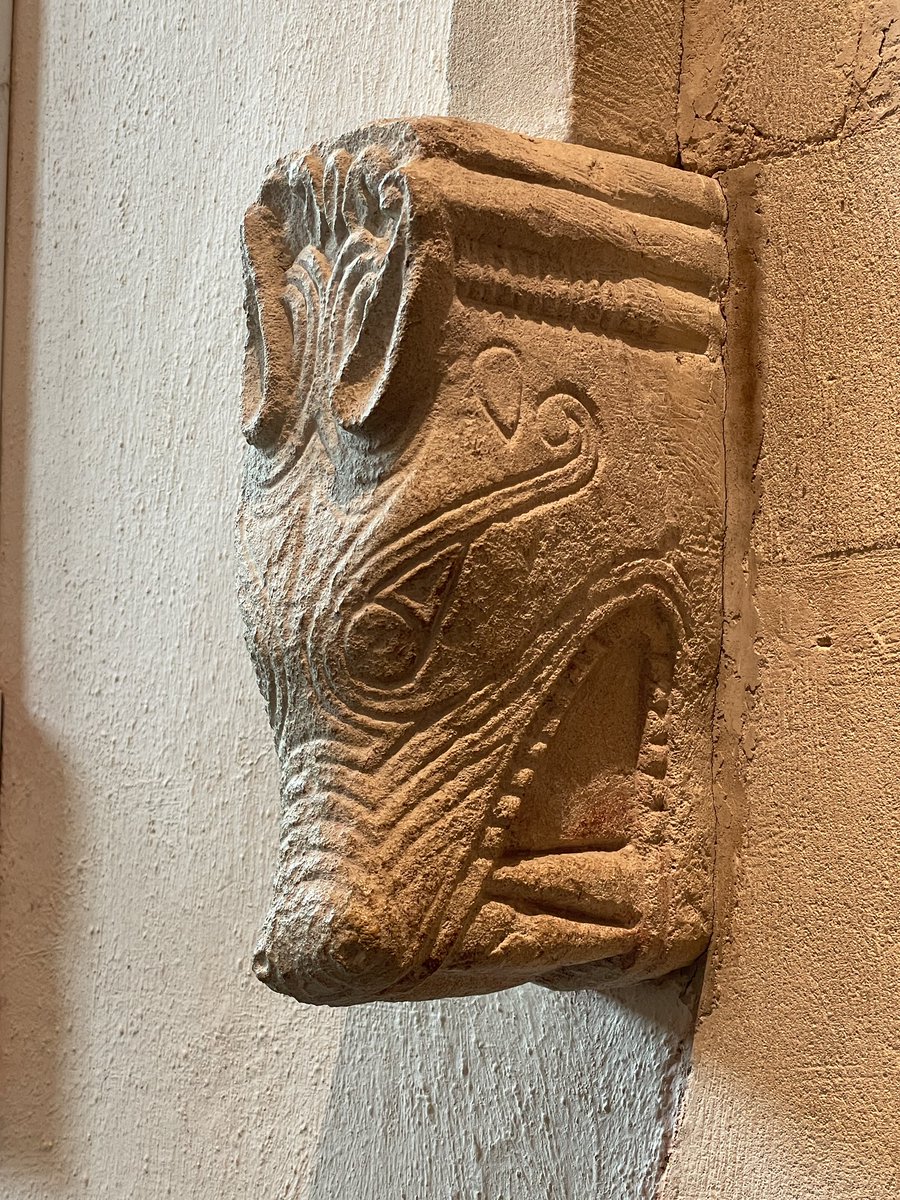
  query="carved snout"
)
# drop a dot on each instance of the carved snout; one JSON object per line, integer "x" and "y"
{"x": 332, "y": 945}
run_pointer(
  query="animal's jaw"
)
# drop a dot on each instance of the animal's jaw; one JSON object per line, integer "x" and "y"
{"x": 572, "y": 896}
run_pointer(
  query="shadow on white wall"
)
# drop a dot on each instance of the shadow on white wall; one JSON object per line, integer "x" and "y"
{"x": 526, "y": 1093}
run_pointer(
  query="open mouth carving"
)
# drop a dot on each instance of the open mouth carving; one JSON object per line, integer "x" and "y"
{"x": 586, "y": 802}
{"x": 604, "y": 738}
{"x": 584, "y": 885}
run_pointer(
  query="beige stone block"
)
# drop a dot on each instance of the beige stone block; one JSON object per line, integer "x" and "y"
{"x": 823, "y": 342}
{"x": 761, "y": 77}
{"x": 625, "y": 76}
{"x": 794, "y": 1087}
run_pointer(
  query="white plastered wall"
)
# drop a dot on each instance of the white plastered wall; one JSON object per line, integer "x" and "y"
{"x": 140, "y": 1058}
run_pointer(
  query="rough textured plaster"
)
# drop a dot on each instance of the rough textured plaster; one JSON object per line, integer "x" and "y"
{"x": 530, "y": 48}
{"x": 518, "y": 1095}
{"x": 139, "y": 1057}
{"x": 762, "y": 77}
{"x": 793, "y": 1090}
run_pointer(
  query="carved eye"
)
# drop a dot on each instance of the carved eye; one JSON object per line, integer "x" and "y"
{"x": 387, "y": 640}
{"x": 382, "y": 646}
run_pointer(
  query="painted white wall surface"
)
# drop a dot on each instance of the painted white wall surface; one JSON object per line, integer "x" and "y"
{"x": 510, "y": 64}
{"x": 139, "y": 1056}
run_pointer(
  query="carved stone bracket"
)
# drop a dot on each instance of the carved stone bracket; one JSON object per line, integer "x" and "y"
{"x": 480, "y": 539}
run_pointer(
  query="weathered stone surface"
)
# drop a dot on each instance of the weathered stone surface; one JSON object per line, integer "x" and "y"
{"x": 481, "y": 543}
{"x": 826, "y": 347}
{"x": 625, "y": 74}
{"x": 762, "y": 78}
{"x": 793, "y": 1091}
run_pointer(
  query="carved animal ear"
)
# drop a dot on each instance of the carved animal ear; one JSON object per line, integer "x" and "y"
{"x": 269, "y": 374}
{"x": 348, "y": 263}
{"x": 368, "y": 289}
{"x": 390, "y": 289}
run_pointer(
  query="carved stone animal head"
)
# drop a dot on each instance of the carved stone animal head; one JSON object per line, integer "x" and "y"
{"x": 480, "y": 542}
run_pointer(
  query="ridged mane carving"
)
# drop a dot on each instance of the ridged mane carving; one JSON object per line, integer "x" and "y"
{"x": 480, "y": 538}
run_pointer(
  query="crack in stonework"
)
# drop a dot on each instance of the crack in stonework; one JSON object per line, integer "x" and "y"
{"x": 862, "y": 89}
{"x": 680, "y": 85}
{"x": 738, "y": 641}
{"x": 770, "y": 147}
{"x": 836, "y": 135}
{"x": 888, "y": 546}
{"x": 680, "y": 1065}
{"x": 726, "y": 498}
{"x": 799, "y": 148}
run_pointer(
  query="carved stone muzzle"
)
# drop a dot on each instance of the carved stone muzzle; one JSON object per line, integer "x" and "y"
{"x": 480, "y": 541}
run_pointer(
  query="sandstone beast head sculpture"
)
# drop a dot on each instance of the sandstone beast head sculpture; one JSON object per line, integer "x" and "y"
{"x": 480, "y": 538}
